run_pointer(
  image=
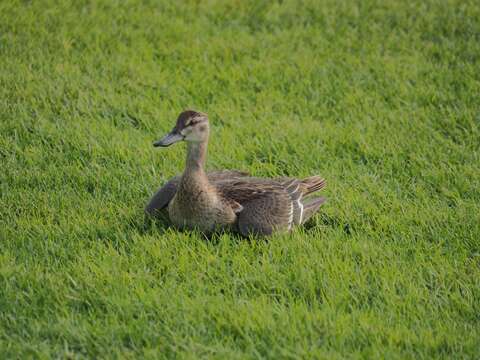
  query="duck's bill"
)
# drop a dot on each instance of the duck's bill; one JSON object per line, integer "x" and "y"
{"x": 168, "y": 140}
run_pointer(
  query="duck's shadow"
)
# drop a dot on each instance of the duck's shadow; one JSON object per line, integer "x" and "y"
{"x": 326, "y": 220}
{"x": 160, "y": 224}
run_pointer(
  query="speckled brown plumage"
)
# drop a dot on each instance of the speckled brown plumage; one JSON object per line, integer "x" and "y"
{"x": 229, "y": 198}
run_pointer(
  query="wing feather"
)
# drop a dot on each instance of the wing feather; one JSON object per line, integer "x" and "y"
{"x": 266, "y": 204}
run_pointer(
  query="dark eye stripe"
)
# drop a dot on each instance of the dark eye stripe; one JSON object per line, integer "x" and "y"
{"x": 194, "y": 122}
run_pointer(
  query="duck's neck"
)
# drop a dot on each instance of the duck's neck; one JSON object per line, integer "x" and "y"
{"x": 196, "y": 156}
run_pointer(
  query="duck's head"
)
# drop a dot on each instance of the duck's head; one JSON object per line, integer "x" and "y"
{"x": 191, "y": 126}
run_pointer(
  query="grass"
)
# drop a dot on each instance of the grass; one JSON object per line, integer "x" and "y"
{"x": 380, "y": 97}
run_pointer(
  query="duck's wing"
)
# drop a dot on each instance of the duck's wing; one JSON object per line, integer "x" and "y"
{"x": 265, "y": 205}
{"x": 265, "y": 215}
{"x": 268, "y": 205}
{"x": 163, "y": 196}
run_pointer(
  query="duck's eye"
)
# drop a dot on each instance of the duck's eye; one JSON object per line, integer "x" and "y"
{"x": 190, "y": 123}
{"x": 202, "y": 128}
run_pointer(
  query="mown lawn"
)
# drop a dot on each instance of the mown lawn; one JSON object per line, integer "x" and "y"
{"x": 380, "y": 97}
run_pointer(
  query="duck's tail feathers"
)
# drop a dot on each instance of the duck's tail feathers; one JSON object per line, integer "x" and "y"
{"x": 310, "y": 207}
{"x": 313, "y": 184}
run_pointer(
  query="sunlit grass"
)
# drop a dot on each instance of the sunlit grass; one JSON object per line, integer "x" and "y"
{"x": 379, "y": 97}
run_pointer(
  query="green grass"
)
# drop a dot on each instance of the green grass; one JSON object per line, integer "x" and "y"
{"x": 380, "y": 97}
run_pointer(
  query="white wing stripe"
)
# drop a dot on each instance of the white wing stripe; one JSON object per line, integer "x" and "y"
{"x": 290, "y": 220}
{"x": 300, "y": 205}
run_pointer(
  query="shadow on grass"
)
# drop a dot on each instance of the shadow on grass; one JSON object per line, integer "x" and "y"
{"x": 328, "y": 221}
{"x": 148, "y": 224}
{"x": 160, "y": 224}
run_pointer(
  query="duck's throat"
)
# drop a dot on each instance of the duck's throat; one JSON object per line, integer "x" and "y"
{"x": 196, "y": 156}
{"x": 194, "y": 184}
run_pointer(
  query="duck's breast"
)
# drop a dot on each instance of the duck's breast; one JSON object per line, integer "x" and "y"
{"x": 201, "y": 210}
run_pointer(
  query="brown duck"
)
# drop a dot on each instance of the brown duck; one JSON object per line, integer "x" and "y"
{"x": 210, "y": 201}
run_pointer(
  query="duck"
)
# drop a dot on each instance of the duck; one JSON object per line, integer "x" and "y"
{"x": 229, "y": 199}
